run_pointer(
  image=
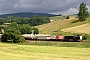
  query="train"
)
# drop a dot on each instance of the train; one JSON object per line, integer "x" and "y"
{"x": 47, "y": 37}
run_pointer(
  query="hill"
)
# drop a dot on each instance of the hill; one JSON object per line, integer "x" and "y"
{"x": 85, "y": 28}
{"x": 26, "y": 14}
{"x": 56, "y": 26}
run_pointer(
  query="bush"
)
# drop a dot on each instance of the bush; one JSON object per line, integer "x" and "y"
{"x": 85, "y": 36}
{"x": 67, "y": 17}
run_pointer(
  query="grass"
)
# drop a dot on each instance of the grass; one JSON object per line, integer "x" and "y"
{"x": 88, "y": 18}
{"x": 35, "y": 52}
{"x": 59, "y": 25}
{"x": 57, "y": 18}
{"x": 85, "y": 28}
{"x": 84, "y": 44}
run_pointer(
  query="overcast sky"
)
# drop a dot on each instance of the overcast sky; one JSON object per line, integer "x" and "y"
{"x": 42, "y": 6}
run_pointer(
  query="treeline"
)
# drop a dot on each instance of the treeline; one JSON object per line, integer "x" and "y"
{"x": 14, "y": 31}
{"x": 34, "y": 21}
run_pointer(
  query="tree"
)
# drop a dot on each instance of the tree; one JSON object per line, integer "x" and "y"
{"x": 83, "y": 12}
{"x": 10, "y": 19}
{"x": 25, "y": 29}
{"x": 14, "y": 25}
{"x": 38, "y": 20}
{"x": 12, "y": 34}
{"x": 1, "y": 21}
{"x": 36, "y": 31}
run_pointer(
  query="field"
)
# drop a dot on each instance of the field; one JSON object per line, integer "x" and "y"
{"x": 36, "y": 52}
{"x": 57, "y": 18}
{"x": 85, "y": 28}
{"x": 58, "y": 25}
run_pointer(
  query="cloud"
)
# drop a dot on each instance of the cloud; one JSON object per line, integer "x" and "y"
{"x": 71, "y": 11}
{"x": 42, "y": 6}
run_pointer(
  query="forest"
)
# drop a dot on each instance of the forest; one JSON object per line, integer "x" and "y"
{"x": 34, "y": 21}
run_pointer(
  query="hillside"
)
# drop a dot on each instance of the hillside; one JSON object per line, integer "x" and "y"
{"x": 85, "y": 28}
{"x": 26, "y": 14}
{"x": 56, "y": 26}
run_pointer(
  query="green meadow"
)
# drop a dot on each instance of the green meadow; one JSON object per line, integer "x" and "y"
{"x": 37, "y": 52}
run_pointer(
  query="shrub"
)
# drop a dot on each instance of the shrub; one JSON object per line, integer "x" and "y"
{"x": 85, "y": 36}
{"x": 67, "y": 17}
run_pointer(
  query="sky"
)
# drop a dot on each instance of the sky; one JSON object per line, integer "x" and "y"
{"x": 42, "y": 6}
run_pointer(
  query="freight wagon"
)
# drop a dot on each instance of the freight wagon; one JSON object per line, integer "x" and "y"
{"x": 42, "y": 37}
